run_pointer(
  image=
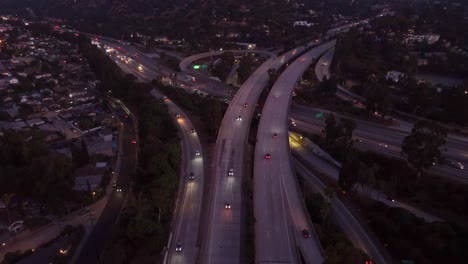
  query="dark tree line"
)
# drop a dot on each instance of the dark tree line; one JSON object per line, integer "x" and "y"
{"x": 29, "y": 169}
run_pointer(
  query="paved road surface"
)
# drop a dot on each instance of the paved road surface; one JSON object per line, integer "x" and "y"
{"x": 96, "y": 240}
{"x": 224, "y": 228}
{"x": 348, "y": 223}
{"x": 386, "y": 140}
{"x": 186, "y": 222}
{"x": 307, "y": 157}
{"x": 279, "y": 210}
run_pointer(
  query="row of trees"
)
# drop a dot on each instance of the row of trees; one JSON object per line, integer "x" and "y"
{"x": 210, "y": 108}
{"x": 408, "y": 237}
{"x": 145, "y": 227}
{"x": 338, "y": 249}
{"x": 422, "y": 147}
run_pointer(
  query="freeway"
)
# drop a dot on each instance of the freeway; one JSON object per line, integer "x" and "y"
{"x": 183, "y": 246}
{"x": 147, "y": 69}
{"x": 386, "y": 140}
{"x": 96, "y": 240}
{"x": 223, "y": 243}
{"x": 279, "y": 210}
{"x": 300, "y": 149}
{"x": 349, "y": 224}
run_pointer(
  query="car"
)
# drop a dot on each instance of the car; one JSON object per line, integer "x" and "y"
{"x": 358, "y": 140}
{"x": 231, "y": 172}
{"x": 322, "y": 131}
{"x": 114, "y": 184}
{"x": 293, "y": 123}
{"x": 239, "y": 118}
{"x": 84, "y": 211}
{"x": 191, "y": 176}
{"x": 245, "y": 105}
{"x": 178, "y": 247}
{"x": 268, "y": 156}
{"x": 197, "y": 153}
{"x": 192, "y": 131}
{"x": 383, "y": 145}
{"x": 306, "y": 233}
{"x": 227, "y": 205}
{"x": 275, "y": 135}
{"x": 390, "y": 198}
{"x": 165, "y": 97}
{"x": 457, "y": 165}
{"x": 133, "y": 141}
{"x": 119, "y": 189}
{"x": 177, "y": 116}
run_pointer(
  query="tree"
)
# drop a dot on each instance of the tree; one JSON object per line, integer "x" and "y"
{"x": 328, "y": 86}
{"x": 84, "y": 151}
{"x": 331, "y": 130}
{"x": 273, "y": 75}
{"x": 423, "y": 145}
{"x": 329, "y": 193}
{"x": 339, "y": 132}
{"x": 224, "y": 67}
{"x": 377, "y": 99}
{"x": 423, "y": 98}
{"x": 349, "y": 170}
{"x": 6, "y": 198}
{"x": 366, "y": 177}
{"x": 245, "y": 68}
{"x": 346, "y": 128}
{"x": 325, "y": 212}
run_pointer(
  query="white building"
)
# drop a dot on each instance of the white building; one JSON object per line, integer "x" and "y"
{"x": 428, "y": 38}
{"x": 394, "y": 76}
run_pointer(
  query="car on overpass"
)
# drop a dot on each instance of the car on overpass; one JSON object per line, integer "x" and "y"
{"x": 178, "y": 247}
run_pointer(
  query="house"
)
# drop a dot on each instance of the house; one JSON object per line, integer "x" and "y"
{"x": 394, "y": 76}
{"x": 88, "y": 178}
{"x": 35, "y": 122}
{"x": 106, "y": 134}
{"x": 302, "y": 24}
{"x": 428, "y": 38}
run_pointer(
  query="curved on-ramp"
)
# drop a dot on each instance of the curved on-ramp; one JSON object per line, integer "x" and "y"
{"x": 185, "y": 63}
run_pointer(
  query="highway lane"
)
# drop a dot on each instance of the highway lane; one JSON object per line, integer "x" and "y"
{"x": 96, "y": 240}
{"x": 278, "y": 208}
{"x": 148, "y": 69}
{"x": 381, "y": 139}
{"x": 345, "y": 219}
{"x": 224, "y": 227}
{"x": 322, "y": 67}
{"x": 185, "y": 227}
{"x": 308, "y": 157}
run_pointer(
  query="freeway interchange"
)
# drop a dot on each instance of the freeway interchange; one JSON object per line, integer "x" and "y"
{"x": 280, "y": 214}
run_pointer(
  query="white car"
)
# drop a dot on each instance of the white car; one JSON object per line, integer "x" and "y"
{"x": 197, "y": 153}
{"x": 239, "y": 118}
{"x": 178, "y": 247}
{"x": 231, "y": 172}
{"x": 383, "y": 145}
{"x": 457, "y": 165}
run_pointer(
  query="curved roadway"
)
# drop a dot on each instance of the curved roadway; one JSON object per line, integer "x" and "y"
{"x": 223, "y": 243}
{"x": 279, "y": 210}
{"x": 185, "y": 227}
